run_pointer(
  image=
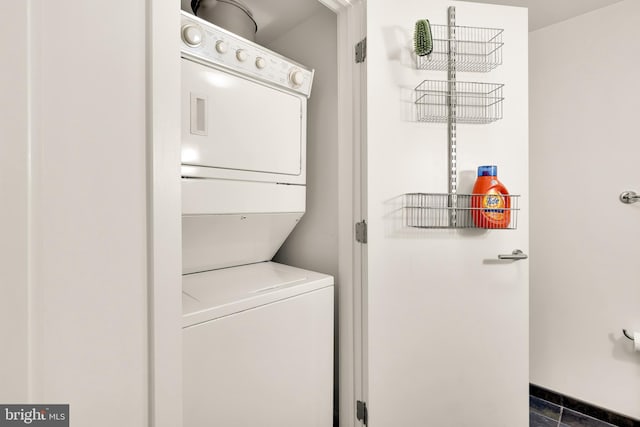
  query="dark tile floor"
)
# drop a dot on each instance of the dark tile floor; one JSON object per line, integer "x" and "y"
{"x": 549, "y": 408}
{"x": 547, "y": 414}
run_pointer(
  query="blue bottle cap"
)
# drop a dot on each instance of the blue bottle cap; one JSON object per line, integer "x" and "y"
{"x": 488, "y": 170}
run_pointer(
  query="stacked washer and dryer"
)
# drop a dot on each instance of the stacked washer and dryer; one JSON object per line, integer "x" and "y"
{"x": 257, "y": 335}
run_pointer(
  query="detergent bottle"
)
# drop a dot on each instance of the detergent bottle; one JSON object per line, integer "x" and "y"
{"x": 490, "y": 202}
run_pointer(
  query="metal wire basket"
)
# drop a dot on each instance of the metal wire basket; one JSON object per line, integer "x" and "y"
{"x": 448, "y": 210}
{"x": 475, "y": 102}
{"x": 477, "y": 49}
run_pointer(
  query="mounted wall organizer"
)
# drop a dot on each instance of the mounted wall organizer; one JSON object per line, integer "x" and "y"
{"x": 478, "y": 49}
{"x": 476, "y": 102}
{"x": 455, "y": 49}
{"x": 436, "y": 210}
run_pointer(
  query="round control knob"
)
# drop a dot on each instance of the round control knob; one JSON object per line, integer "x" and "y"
{"x": 241, "y": 55}
{"x": 260, "y": 63}
{"x": 296, "y": 77}
{"x": 192, "y": 35}
{"x": 222, "y": 46}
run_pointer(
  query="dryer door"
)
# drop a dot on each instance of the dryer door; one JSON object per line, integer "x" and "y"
{"x": 237, "y": 128}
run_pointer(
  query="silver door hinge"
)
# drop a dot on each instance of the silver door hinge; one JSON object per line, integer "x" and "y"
{"x": 361, "y": 412}
{"x": 361, "y": 231}
{"x": 361, "y": 51}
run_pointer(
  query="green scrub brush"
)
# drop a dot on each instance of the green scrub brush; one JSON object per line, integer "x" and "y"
{"x": 422, "y": 40}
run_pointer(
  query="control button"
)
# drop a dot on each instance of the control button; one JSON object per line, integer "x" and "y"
{"x": 296, "y": 77}
{"x": 222, "y": 46}
{"x": 260, "y": 63}
{"x": 192, "y": 35}
{"x": 242, "y": 55}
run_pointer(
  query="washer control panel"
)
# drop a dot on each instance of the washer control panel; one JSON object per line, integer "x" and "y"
{"x": 210, "y": 43}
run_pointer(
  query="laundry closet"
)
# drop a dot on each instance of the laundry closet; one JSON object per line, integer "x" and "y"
{"x": 93, "y": 298}
{"x": 259, "y": 212}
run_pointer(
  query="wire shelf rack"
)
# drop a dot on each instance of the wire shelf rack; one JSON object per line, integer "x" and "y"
{"x": 450, "y": 210}
{"x": 475, "y": 102}
{"x": 477, "y": 49}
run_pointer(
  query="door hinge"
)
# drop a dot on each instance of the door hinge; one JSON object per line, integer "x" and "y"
{"x": 361, "y": 412}
{"x": 361, "y": 231}
{"x": 361, "y": 50}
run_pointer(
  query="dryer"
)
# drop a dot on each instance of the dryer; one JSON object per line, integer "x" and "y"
{"x": 244, "y": 124}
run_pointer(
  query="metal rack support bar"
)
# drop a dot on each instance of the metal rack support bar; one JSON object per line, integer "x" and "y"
{"x": 453, "y": 161}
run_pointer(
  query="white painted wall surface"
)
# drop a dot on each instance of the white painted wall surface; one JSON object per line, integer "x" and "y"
{"x": 585, "y": 243}
{"x": 89, "y": 291}
{"x": 314, "y": 242}
{"x": 14, "y": 185}
{"x": 448, "y": 322}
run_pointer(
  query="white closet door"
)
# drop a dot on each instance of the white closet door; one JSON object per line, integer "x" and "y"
{"x": 447, "y": 339}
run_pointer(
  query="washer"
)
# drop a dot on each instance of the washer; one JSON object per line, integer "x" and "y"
{"x": 258, "y": 347}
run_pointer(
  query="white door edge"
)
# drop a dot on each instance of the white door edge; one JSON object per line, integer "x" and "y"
{"x": 164, "y": 256}
{"x": 351, "y": 29}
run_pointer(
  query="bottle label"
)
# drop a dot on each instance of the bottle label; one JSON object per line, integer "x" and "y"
{"x": 493, "y": 205}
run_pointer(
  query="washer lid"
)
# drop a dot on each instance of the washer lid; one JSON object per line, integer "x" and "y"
{"x": 213, "y": 294}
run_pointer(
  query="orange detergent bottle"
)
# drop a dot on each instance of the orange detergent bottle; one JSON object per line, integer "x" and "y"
{"x": 490, "y": 202}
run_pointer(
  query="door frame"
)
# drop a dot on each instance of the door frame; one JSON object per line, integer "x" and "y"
{"x": 164, "y": 228}
{"x": 351, "y": 126}
{"x": 164, "y": 235}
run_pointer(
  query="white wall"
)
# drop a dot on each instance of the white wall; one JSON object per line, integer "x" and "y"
{"x": 585, "y": 243}
{"x": 314, "y": 242}
{"x": 81, "y": 162}
{"x": 14, "y": 186}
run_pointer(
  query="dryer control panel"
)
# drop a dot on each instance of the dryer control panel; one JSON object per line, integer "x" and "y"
{"x": 203, "y": 41}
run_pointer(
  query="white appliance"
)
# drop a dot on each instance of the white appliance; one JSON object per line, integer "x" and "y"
{"x": 244, "y": 123}
{"x": 258, "y": 336}
{"x": 258, "y": 347}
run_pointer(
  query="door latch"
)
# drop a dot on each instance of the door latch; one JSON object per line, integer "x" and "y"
{"x": 516, "y": 255}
